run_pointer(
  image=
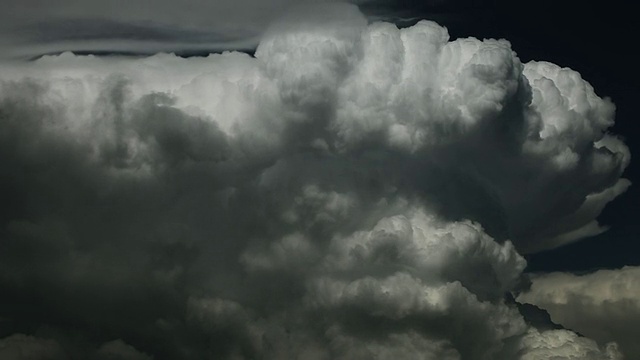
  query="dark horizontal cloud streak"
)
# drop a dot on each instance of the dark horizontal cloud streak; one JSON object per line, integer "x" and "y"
{"x": 32, "y": 28}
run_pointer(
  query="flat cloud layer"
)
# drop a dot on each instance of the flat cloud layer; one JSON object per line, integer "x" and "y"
{"x": 31, "y": 28}
{"x": 353, "y": 191}
{"x": 603, "y": 305}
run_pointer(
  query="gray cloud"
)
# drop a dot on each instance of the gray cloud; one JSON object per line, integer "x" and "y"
{"x": 352, "y": 191}
{"x": 118, "y": 350}
{"x": 34, "y": 27}
{"x": 602, "y": 305}
{"x": 23, "y": 347}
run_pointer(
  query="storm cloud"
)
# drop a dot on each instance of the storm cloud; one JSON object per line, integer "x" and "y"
{"x": 352, "y": 191}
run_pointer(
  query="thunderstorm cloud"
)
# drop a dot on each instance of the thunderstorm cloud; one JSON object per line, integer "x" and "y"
{"x": 351, "y": 191}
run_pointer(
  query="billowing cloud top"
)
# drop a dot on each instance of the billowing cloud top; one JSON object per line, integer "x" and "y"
{"x": 353, "y": 191}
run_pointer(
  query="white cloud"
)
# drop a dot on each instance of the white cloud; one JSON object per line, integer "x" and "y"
{"x": 565, "y": 345}
{"x": 430, "y": 248}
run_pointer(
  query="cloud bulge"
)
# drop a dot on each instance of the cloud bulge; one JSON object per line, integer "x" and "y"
{"x": 352, "y": 191}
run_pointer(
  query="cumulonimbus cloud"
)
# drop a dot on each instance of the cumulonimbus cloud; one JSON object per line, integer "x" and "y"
{"x": 352, "y": 191}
